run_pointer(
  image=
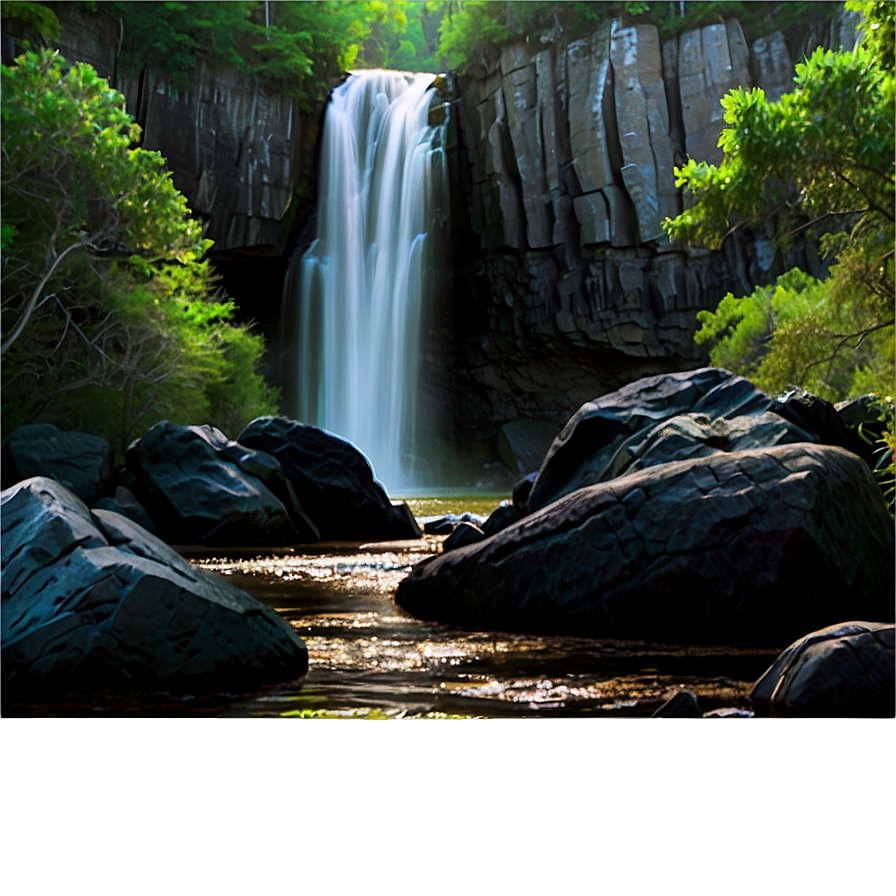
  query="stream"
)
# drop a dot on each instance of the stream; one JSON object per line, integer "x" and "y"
{"x": 368, "y": 658}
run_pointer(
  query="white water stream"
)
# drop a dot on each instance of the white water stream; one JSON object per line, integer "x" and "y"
{"x": 362, "y": 286}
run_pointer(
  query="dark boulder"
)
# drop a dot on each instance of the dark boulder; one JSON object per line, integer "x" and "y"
{"x": 332, "y": 480}
{"x": 817, "y": 417}
{"x": 841, "y": 670}
{"x": 462, "y": 535}
{"x": 623, "y": 431}
{"x": 92, "y": 601}
{"x": 520, "y": 494}
{"x": 200, "y": 487}
{"x": 681, "y": 705}
{"x": 495, "y": 477}
{"x": 504, "y": 515}
{"x": 522, "y": 444}
{"x": 127, "y": 505}
{"x": 745, "y": 548}
{"x": 445, "y": 525}
{"x": 81, "y": 462}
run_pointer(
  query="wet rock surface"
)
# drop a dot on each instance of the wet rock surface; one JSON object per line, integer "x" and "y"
{"x": 749, "y": 547}
{"x": 91, "y": 601}
{"x": 199, "y": 487}
{"x": 332, "y": 480}
{"x": 842, "y": 670}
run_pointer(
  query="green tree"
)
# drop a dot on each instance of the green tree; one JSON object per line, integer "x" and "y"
{"x": 817, "y": 164}
{"x": 109, "y": 312}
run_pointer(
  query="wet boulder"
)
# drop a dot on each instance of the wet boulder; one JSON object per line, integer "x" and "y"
{"x": 841, "y": 670}
{"x": 622, "y": 431}
{"x": 744, "y": 548}
{"x": 333, "y": 481}
{"x": 92, "y": 601}
{"x": 199, "y": 487}
{"x": 80, "y": 461}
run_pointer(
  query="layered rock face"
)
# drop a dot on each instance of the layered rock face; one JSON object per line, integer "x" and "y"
{"x": 570, "y": 150}
{"x": 239, "y": 153}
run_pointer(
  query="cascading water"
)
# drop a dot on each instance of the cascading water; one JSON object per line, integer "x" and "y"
{"x": 358, "y": 294}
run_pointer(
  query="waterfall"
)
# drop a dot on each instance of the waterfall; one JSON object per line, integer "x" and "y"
{"x": 356, "y": 298}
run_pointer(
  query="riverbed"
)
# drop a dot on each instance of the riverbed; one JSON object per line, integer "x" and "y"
{"x": 370, "y": 659}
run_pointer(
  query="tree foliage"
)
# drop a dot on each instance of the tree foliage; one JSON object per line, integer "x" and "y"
{"x": 817, "y": 164}
{"x": 473, "y": 32}
{"x": 109, "y": 312}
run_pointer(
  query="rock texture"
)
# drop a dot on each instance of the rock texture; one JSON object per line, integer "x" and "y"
{"x": 842, "y": 670}
{"x": 198, "y": 486}
{"x": 80, "y": 461}
{"x": 332, "y": 480}
{"x": 655, "y": 420}
{"x": 240, "y": 153}
{"x": 92, "y": 601}
{"x": 569, "y": 287}
{"x": 750, "y": 548}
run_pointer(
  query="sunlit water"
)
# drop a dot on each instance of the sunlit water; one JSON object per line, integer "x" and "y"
{"x": 370, "y": 659}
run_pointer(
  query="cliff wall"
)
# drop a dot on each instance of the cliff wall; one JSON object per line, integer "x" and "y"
{"x": 569, "y": 287}
{"x": 562, "y": 157}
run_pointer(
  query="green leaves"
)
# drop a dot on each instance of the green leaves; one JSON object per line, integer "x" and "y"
{"x": 818, "y": 164}
{"x": 109, "y": 312}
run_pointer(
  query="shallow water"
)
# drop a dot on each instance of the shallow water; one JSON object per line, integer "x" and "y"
{"x": 369, "y": 658}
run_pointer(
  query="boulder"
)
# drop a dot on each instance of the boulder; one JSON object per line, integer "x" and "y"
{"x": 841, "y": 670}
{"x": 127, "y": 505}
{"x": 817, "y": 417}
{"x": 630, "y": 428}
{"x": 504, "y": 515}
{"x": 522, "y": 444}
{"x": 495, "y": 477}
{"x": 332, "y": 480}
{"x": 463, "y": 534}
{"x": 81, "y": 462}
{"x": 520, "y": 494}
{"x": 200, "y": 487}
{"x": 744, "y": 548}
{"x": 444, "y": 525}
{"x": 91, "y": 600}
{"x": 699, "y": 435}
{"x": 680, "y": 705}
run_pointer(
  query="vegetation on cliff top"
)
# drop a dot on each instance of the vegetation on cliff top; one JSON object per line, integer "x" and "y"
{"x": 819, "y": 163}
{"x": 110, "y": 315}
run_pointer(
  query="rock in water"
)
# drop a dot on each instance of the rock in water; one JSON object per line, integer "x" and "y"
{"x": 92, "y": 601}
{"x": 743, "y": 548}
{"x": 841, "y": 670}
{"x": 81, "y": 462}
{"x": 200, "y": 487}
{"x": 333, "y": 481}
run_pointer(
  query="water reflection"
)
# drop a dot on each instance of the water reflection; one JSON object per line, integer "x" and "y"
{"x": 370, "y": 659}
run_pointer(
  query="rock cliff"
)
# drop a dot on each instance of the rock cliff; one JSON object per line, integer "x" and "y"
{"x": 562, "y": 157}
{"x": 569, "y": 286}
